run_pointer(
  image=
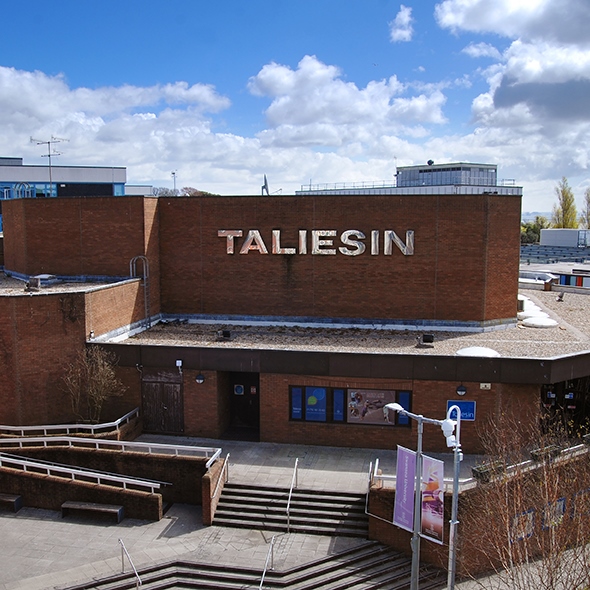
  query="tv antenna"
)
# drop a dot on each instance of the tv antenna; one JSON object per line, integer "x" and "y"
{"x": 50, "y": 153}
{"x": 265, "y": 187}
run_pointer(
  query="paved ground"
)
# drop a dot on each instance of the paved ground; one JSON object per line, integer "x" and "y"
{"x": 39, "y": 550}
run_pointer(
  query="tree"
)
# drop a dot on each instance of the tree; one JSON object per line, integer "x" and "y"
{"x": 564, "y": 211}
{"x": 530, "y": 231}
{"x": 162, "y": 191}
{"x": 90, "y": 380}
{"x": 530, "y": 523}
{"x": 585, "y": 215}
{"x": 189, "y": 191}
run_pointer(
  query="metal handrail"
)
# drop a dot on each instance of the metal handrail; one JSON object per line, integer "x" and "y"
{"x": 75, "y": 441}
{"x": 370, "y": 483}
{"x": 224, "y": 469}
{"x": 72, "y": 427}
{"x": 123, "y": 553}
{"x": 60, "y": 470}
{"x": 270, "y": 555}
{"x": 293, "y": 484}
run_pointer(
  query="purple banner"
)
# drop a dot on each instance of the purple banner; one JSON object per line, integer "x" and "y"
{"x": 433, "y": 507}
{"x": 405, "y": 480}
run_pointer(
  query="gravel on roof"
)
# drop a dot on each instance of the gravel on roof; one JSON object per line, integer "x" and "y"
{"x": 570, "y": 336}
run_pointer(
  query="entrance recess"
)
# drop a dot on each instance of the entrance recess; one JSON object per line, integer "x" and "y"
{"x": 244, "y": 406}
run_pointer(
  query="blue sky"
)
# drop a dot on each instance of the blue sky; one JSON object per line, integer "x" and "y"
{"x": 326, "y": 90}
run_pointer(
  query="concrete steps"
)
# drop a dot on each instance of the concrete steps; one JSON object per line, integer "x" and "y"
{"x": 311, "y": 511}
{"x": 368, "y": 566}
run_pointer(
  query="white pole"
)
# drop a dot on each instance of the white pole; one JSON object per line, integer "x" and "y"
{"x": 417, "y": 510}
{"x": 417, "y": 527}
{"x": 458, "y": 456}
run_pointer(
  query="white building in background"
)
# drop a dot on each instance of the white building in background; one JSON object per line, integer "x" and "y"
{"x": 430, "y": 178}
{"x": 571, "y": 238}
{"x": 23, "y": 181}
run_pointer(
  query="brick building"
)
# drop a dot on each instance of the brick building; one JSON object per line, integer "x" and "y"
{"x": 281, "y": 318}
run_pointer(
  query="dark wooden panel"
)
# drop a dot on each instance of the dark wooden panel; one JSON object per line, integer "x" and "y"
{"x": 379, "y": 366}
{"x": 294, "y": 362}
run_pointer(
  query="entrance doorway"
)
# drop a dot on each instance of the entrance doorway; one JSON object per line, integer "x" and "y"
{"x": 162, "y": 402}
{"x": 244, "y": 396}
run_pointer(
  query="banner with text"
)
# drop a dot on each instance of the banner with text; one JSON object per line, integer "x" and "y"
{"x": 405, "y": 477}
{"x": 433, "y": 506}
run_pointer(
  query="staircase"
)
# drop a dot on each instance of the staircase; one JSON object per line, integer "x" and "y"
{"x": 368, "y": 566}
{"x": 311, "y": 511}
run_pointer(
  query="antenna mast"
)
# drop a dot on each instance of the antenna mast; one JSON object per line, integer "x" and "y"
{"x": 49, "y": 154}
{"x": 265, "y": 187}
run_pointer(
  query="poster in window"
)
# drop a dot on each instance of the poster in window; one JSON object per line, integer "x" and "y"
{"x": 365, "y": 406}
{"x": 315, "y": 404}
{"x": 339, "y": 405}
{"x": 296, "y": 403}
{"x": 523, "y": 526}
{"x": 553, "y": 513}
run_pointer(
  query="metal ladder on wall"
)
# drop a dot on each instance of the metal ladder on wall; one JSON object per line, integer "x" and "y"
{"x": 145, "y": 283}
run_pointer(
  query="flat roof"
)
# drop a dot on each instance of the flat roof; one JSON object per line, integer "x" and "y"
{"x": 571, "y": 335}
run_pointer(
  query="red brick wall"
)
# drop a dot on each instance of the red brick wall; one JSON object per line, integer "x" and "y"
{"x": 73, "y": 236}
{"x": 184, "y": 473}
{"x": 15, "y": 234}
{"x": 450, "y": 260}
{"x": 503, "y": 228}
{"x": 152, "y": 251}
{"x": 429, "y": 398}
{"x": 48, "y": 492}
{"x": 465, "y": 248}
{"x": 201, "y": 405}
{"x": 114, "y": 306}
{"x": 39, "y": 334}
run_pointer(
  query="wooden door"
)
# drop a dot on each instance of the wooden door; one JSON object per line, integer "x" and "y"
{"x": 162, "y": 406}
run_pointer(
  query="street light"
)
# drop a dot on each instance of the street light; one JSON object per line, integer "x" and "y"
{"x": 453, "y": 440}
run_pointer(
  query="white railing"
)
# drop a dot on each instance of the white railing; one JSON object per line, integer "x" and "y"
{"x": 375, "y": 476}
{"x": 270, "y": 556}
{"x": 212, "y": 453}
{"x": 293, "y": 485}
{"x": 70, "y": 428}
{"x": 224, "y": 470}
{"x": 124, "y": 553}
{"x": 76, "y": 473}
{"x": 348, "y": 185}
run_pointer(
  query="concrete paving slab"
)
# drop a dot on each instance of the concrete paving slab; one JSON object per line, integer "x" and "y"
{"x": 39, "y": 550}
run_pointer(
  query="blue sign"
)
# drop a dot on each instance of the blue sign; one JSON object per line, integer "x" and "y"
{"x": 467, "y": 410}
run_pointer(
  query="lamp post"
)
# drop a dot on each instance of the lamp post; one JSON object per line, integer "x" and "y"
{"x": 455, "y": 442}
{"x": 447, "y": 427}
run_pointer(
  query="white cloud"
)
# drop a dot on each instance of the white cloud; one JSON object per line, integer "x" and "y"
{"x": 482, "y": 50}
{"x": 400, "y": 28}
{"x": 312, "y": 105}
{"x": 534, "y": 115}
{"x": 564, "y": 22}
